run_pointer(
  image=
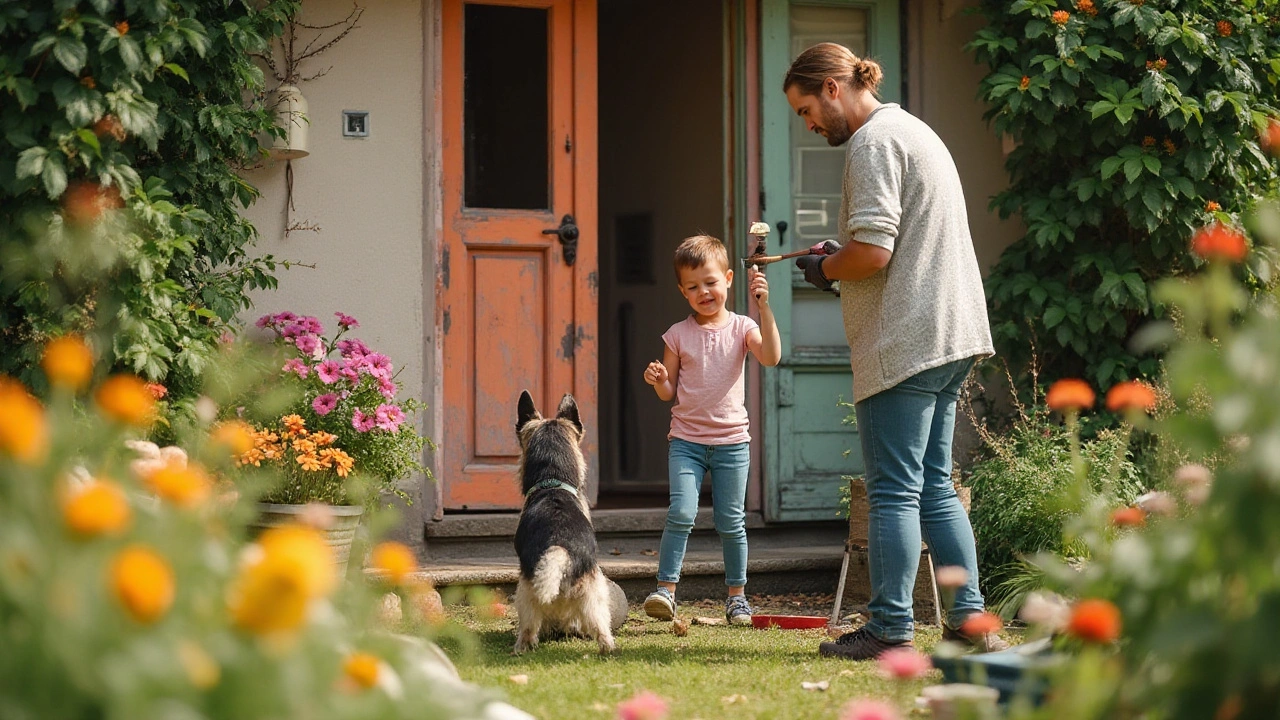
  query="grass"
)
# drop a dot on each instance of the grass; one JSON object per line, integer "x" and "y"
{"x": 713, "y": 672}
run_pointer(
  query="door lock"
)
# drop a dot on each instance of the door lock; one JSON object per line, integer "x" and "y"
{"x": 568, "y": 233}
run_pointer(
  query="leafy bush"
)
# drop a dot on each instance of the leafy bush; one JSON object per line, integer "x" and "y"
{"x": 1191, "y": 585}
{"x": 1136, "y": 122}
{"x": 1020, "y": 489}
{"x": 153, "y": 105}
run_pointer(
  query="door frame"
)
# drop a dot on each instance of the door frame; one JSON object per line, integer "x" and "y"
{"x": 884, "y": 45}
{"x": 584, "y": 179}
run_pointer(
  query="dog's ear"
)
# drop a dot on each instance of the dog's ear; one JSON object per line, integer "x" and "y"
{"x": 527, "y": 412}
{"x": 569, "y": 411}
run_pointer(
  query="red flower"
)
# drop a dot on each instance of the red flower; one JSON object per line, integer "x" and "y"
{"x": 1095, "y": 621}
{"x": 1070, "y": 394}
{"x": 981, "y": 624}
{"x": 1225, "y": 28}
{"x": 157, "y": 390}
{"x": 84, "y": 203}
{"x": 1129, "y": 517}
{"x": 1130, "y": 395}
{"x": 1271, "y": 137}
{"x": 1219, "y": 242}
{"x": 1212, "y": 206}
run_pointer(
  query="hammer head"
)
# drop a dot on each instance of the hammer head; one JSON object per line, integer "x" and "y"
{"x": 759, "y": 229}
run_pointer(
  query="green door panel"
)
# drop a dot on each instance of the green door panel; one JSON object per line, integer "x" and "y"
{"x": 807, "y": 446}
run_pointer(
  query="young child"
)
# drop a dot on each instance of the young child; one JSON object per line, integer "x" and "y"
{"x": 701, "y": 368}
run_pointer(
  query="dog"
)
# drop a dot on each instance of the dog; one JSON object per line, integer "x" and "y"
{"x": 560, "y": 583}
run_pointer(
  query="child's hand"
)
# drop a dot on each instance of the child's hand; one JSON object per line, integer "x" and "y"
{"x": 656, "y": 373}
{"x": 758, "y": 285}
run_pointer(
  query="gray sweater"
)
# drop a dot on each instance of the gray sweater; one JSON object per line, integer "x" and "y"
{"x": 927, "y": 307}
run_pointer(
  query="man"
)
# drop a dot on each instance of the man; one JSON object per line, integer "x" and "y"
{"x": 916, "y": 321}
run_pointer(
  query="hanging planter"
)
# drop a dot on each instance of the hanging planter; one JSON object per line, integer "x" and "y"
{"x": 291, "y": 114}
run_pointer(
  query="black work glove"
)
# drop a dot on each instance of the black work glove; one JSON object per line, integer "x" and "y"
{"x": 811, "y": 266}
{"x": 826, "y": 247}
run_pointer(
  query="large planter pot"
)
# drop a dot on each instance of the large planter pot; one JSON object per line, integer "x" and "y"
{"x": 341, "y": 532}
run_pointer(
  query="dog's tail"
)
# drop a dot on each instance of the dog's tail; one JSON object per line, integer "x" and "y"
{"x": 549, "y": 575}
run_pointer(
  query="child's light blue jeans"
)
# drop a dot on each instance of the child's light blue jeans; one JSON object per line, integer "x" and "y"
{"x": 688, "y": 462}
{"x": 906, "y": 434}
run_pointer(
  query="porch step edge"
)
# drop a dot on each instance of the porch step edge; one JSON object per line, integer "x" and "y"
{"x": 605, "y": 521}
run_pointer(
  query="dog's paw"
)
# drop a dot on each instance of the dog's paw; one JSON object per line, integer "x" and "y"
{"x": 607, "y": 647}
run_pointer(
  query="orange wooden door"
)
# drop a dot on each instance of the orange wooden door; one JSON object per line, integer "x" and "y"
{"x": 517, "y": 299}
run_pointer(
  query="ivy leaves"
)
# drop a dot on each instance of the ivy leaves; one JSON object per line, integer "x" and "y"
{"x": 1132, "y": 119}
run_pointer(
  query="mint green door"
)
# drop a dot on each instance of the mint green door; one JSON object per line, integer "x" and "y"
{"x": 808, "y": 448}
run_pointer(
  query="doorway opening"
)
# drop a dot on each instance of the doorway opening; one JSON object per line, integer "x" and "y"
{"x": 662, "y": 143}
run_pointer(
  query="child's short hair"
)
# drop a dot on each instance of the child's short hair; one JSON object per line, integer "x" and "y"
{"x": 696, "y": 251}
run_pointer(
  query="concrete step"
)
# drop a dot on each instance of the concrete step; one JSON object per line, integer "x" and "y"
{"x": 769, "y": 570}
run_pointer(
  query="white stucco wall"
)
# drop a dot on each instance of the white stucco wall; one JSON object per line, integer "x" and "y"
{"x": 366, "y": 195}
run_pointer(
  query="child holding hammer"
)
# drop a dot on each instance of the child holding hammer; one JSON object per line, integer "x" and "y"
{"x": 702, "y": 369}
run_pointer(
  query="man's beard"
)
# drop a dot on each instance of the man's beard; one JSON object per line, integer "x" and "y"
{"x": 835, "y": 124}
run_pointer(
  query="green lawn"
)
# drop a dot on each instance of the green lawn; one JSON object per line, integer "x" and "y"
{"x": 713, "y": 672}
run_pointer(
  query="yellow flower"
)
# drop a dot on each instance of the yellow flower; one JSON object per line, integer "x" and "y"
{"x": 143, "y": 583}
{"x": 294, "y": 424}
{"x": 201, "y": 668}
{"x": 394, "y": 559}
{"x": 23, "y": 432}
{"x": 98, "y": 508}
{"x": 125, "y": 398}
{"x": 362, "y": 668}
{"x": 274, "y": 588}
{"x": 184, "y": 485}
{"x": 236, "y": 435}
{"x": 67, "y": 362}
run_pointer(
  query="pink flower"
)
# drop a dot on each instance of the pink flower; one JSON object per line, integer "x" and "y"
{"x": 379, "y": 365}
{"x": 284, "y": 317}
{"x": 952, "y": 576}
{"x": 389, "y": 417}
{"x": 869, "y": 710}
{"x": 351, "y": 371}
{"x": 307, "y": 344}
{"x": 346, "y": 321}
{"x": 293, "y": 330}
{"x": 353, "y": 348}
{"x": 264, "y": 321}
{"x": 297, "y": 366}
{"x": 904, "y": 663}
{"x": 311, "y": 325}
{"x": 329, "y": 371}
{"x": 387, "y": 388}
{"x": 362, "y": 422}
{"x": 324, "y": 404}
{"x": 642, "y": 706}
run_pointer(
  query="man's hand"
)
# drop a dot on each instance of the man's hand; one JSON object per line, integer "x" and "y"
{"x": 826, "y": 247}
{"x": 656, "y": 373}
{"x": 811, "y": 265}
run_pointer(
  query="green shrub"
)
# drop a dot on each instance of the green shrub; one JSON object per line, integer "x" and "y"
{"x": 1136, "y": 122}
{"x": 156, "y": 104}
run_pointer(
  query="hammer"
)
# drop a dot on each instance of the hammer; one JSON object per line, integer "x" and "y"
{"x": 760, "y": 230}
{"x": 770, "y": 259}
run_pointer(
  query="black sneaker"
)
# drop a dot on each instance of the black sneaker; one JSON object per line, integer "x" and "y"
{"x": 982, "y": 643}
{"x": 859, "y": 645}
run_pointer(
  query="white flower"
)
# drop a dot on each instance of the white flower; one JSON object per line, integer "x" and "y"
{"x": 1045, "y": 609}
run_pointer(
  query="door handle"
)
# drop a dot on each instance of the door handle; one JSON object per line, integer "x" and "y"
{"x": 568, "y": 233}
{"x": 782, "y": 233}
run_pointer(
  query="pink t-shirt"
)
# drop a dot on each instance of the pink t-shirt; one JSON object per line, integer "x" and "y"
{"x": 710, "y": 404}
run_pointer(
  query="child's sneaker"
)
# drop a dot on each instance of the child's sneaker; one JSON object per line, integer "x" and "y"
{"x": 660, "y": 604}
{"x": 737, "y": 611}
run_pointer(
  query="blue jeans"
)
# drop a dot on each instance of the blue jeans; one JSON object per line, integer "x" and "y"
{"x": 906, "y": 433}
{"x": 688, "y": 462}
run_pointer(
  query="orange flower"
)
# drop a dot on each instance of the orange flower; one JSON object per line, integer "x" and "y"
{"x": 1169, "y": 147}
{"x": 84, "y": 203}
{"x": 1219, "y": 242}
{"x": 184, "y": 485}
{"x": 339, "y": 460}
{"x": 1069, "y": 394}
{"x": 89, "y": 82}
{"x": 981, "y": 624}
{"x": 122, "y": 27}
{"x": 110, "y": 125}
{"x": 1225, "y": 28}
{"x": 1024, "y": 83}
{"x": 1129, "y": 517}
{"x": 1087, "y": 7}
{"x": 157, "y": 390}
{"x": 67, "y": 362}
{"x": 362, "y": 668}
{"x": 1212, "y": 207}
{"x": 394, "y": 559}
{"x": 276, "y": 586}
{"x": 1271, "y": 137}
{"x": 1095, "y": 621}
{"x": 321, "y": 438}
{"x": 1131, "y": 395}
{"x": 23, "y": 432}
{"x": 1158, "y": 65}
{"x": 309, "y": 462}
{"x": 235, "y": 435}
{"x": 126, "y": 399}
{"x": 143, "y": 583}
{"x": 98, "y": 508}
{"x": 294, "y": 424}
{"x": 1060, "y": 17}
{"x": 1148, "y": 142}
